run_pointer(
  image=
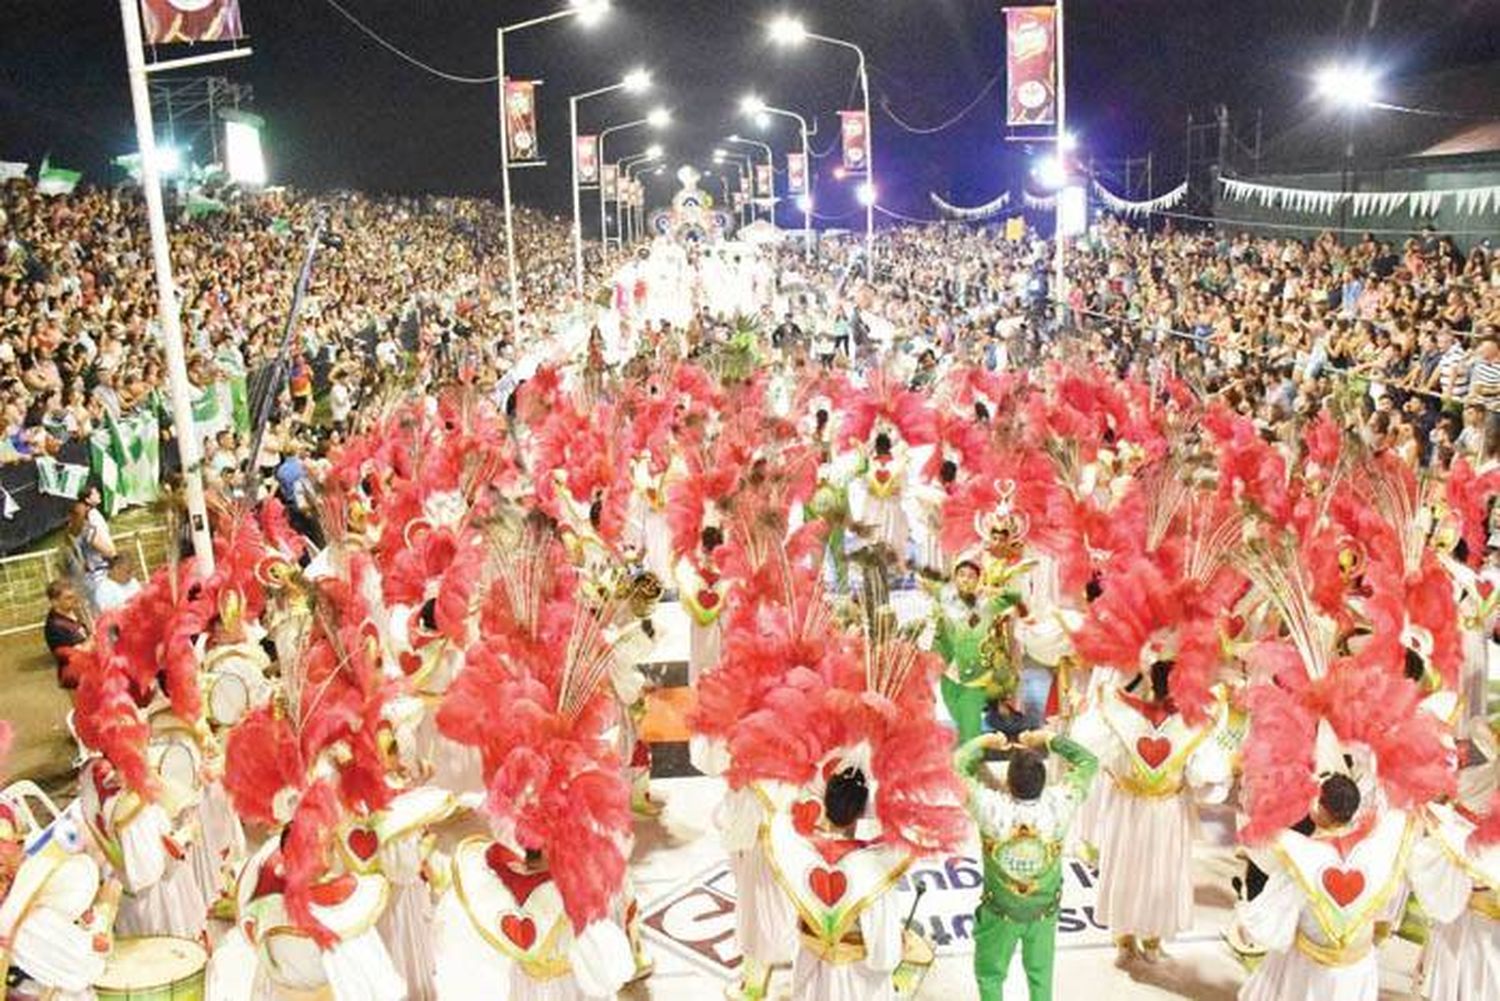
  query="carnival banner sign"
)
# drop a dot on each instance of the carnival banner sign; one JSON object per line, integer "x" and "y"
{"x": 764, "y": 187}
{"x": 855, "y": 128}
{"x": 1030, "y": 65}
{"x": 520, "y": 121}
{"x": 588, "y": 159}
{"x": 609, "y": 179}
{"x": 166, "y": 22}
{"x": 796, "y": 173}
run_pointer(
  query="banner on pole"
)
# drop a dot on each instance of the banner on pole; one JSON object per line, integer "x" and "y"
{"x": 764, "y": 186}
{"x": 796, "y": 173}
{"x": 588, "y": 159}
{"x": 167, "y": 22}
{"x": 11, "y": 170}
{"x": 520, "y": 121}
{"x": 855, "y": 129}
{"x": 1030, "y": 65}
{"x": 609, "y": 179}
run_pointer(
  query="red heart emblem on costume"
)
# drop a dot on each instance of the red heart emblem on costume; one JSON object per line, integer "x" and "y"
{"x": 805, "y": 816}
{"x": 1344, "y": 885}
{"x": 828, "y": 885}
{"x": 520, "y": 930}
{"x": 334, "y": 891}
{"x": 363, "y": 843}
{"x": 411, "y": 663}
{"x": 499, "y": 858}
{"x": 882, "y": 476}
{"x": 269, "y": 883}
{"x": 1153, "y": 750}
{"x": 1235, "y": 625}
{"x": 708, "y": 599}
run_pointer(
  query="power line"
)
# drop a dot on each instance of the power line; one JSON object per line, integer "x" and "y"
{"x": 413, "y": 60}
{"x": 885, "y": 105}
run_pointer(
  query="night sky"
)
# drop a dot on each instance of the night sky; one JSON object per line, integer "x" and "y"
{"x": 342, "y": 112}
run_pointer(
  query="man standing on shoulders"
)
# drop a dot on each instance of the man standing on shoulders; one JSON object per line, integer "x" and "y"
{"x": 1022, "y": 826}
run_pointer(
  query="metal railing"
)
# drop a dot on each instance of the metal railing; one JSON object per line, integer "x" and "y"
{"x": 24, "y": 578}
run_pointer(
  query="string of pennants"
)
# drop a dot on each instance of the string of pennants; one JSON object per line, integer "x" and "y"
{"x": 1039, "y": 203}
{"x": 1464, "y": 201}
{"x": 990, "y": 208}
{"x": 1123, "y": 206}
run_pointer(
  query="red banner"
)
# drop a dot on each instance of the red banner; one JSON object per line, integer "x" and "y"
{"x": 856, "y": 132}
{"x": 796, "y": 173}
{"x": 588, "y": 159}
{"x": 520, "y": 121}
{"x": 165, "y": 22}
{"x": 609, "y": 179}
{"x": 1030, "y": 65}
{"x": 764, "y": 184}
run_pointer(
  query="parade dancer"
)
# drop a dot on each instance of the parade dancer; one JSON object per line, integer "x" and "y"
{"x": 969, "y": 633}
{"x": 1455, "y": 873}
{"x": 1022, "y": 827}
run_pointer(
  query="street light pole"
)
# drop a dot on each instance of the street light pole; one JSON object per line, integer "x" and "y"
{"x": 753, "y": 105}
{"x": 770, "y": 166}
{"x": 189, "y": 448}
{"x": 1059, "y": 265}
{"x": 636, "y": 80}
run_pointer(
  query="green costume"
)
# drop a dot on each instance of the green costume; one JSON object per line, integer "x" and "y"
{"x": 960, "y": 630}
{"x": 1022, "y": 843}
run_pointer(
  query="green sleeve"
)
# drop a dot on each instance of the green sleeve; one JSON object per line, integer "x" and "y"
{"x": 966, "y": 762}
{"x": 942, "y": 638}
{"x": 1005, "y": 601}
{"x": 1082, "y": 765}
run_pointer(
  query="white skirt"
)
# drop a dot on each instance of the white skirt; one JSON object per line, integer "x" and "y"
{"x": 174, "y": 906}
{"x": 1463, "y": 959}
{"x": 456, "y": 767}
{"x": 763, "y": 914}
{"x": 1291, "y": 976}
{"x": 523, "y": 988}
{"x": 815, "y": 980}
{"x": 887, "y": 519}
{"x": 703, "y": 648}
{"x": 406, "y": 930}
{"x": 1145, "y": 864}
{"x": 221, "y": 841}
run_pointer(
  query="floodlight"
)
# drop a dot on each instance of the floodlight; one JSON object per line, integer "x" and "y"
{"x": 242, "y": 153}
{"x": 804, "y": 203}
{"x": 1051, "y": 172}
{"x": 866, "y": 193}
{"x": 653, "y": 151}
{"x": 659, "y": 118}
{"x": 168, "y": 160}
{"x": 637, "y": 80}
{"x": 1348, "y": 86}
{"x": 786, "y": 30}
{"x": 751, "y": 104}
{"x": 590, "y": 12}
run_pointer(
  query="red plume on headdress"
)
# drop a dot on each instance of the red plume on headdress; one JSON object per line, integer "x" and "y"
{"x": 442, "y": 564}
{"x": 107, "y": 719}
{"x": 689, "y": 501}
{"x": 886, "y": 400}
{"x": 263, "y": 762}
{"x": 1469, "y": 496}
{"x": 305, "y": 849}
{"x": 1487, "y": 831}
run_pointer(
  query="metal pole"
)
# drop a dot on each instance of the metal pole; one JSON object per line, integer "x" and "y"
{"x": 577, "y": 222}
{"x": 510, "y": 226}
{"x": 864, "y": 86}
{"x": 1059, "y": 267}
{"x": 619, "y": 227}
{"x": 189, "y": 448}
{"x": 603, "y": 219}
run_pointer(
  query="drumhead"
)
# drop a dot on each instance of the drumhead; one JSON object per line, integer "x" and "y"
{"x": 143, "y": 963}
{"x": 177, "y": 763}
{"x": 228, "y": 700}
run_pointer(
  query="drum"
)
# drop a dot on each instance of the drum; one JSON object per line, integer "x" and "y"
{"x": 917, "y": 958}
{"x": 153, "y": 969}
{"x": 228, "y": 699}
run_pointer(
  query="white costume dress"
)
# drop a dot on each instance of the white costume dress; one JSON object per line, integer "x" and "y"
{"x": 1148, "y": 812}
{"x": 43, "y": 930}
{"x": 1457, "y": 889}
{"x": 1318, "y": 912}
{"x": 763, "y": 916}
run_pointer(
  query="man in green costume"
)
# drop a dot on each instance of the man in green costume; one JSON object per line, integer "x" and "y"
{"x": 1021, "y": 830}
{"x": 967, "y": 632}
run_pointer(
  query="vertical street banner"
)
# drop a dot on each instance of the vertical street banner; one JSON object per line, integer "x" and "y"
{"x": 609, "y": 179}
{"x": 588, "y": 159}
{"x": 169, "y": 22}
{"x": 796, "y": 173}
{"x": 1030, "y": 65}
{"x": 855, "y": 129}
{"x": 764, "y": 186}
{"x": 520, "y": 121}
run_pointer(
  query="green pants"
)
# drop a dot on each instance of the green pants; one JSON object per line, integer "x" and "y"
{"x": 995, "y": 940}
{"x": 966, "y": 707}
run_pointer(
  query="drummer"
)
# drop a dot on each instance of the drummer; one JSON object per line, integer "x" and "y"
{"x": 1022, "y": 825}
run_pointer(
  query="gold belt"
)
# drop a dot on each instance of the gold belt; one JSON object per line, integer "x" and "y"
{"x": 1485, "y": 903}
{"x": 1148, "y": 790}
{"x": 1331, "y": 955}
{"x": 850, "y": 949}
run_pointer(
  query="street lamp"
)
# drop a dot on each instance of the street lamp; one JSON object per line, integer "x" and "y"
{"x": 634, "y": 82}
{"x": 652, "y": 153}
{"x": 790, "y": 31}
{"x": 770, "y": 167}
{"x": 659, "y": 118}
{"x": 1349, "y": 88}
{"x": 744, "y": 167}
{"x": 754, "y": 105}
{"x": 588, "y": 12}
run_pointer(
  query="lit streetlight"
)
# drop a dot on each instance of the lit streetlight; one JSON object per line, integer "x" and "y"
{"x": 754, "y": 105}
{"x": 770, "y": 168}
{"x": 1349, "y": 88}
{"x": 658, "y": 118}
{"x": 790, "y": 31}
{"x": 588, "y": 12}
{"x": 634, "y": 82}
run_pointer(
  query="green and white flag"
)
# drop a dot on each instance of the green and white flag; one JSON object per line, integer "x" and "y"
{"x": 52, "y": 180}
{"x": 60, "y": 479}
{"x": 131, "y": 164}
{"x": 200, "y": 204}
{"x": 211, "y": 410}
{"x": 10, "y": 170}
{"x": 126, "y": 456}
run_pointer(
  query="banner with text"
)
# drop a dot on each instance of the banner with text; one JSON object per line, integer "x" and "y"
{"x": 520, "y": 121}
{"x": 588, "y": 159}
{"x": 167, "y": 22}
{"x": 1030, "y": 65}
{"x": 609, "y": 179}
{"x": 764, "y": 184}
{"x": 855, "y": 129}
{"x": 796, "y": 173}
